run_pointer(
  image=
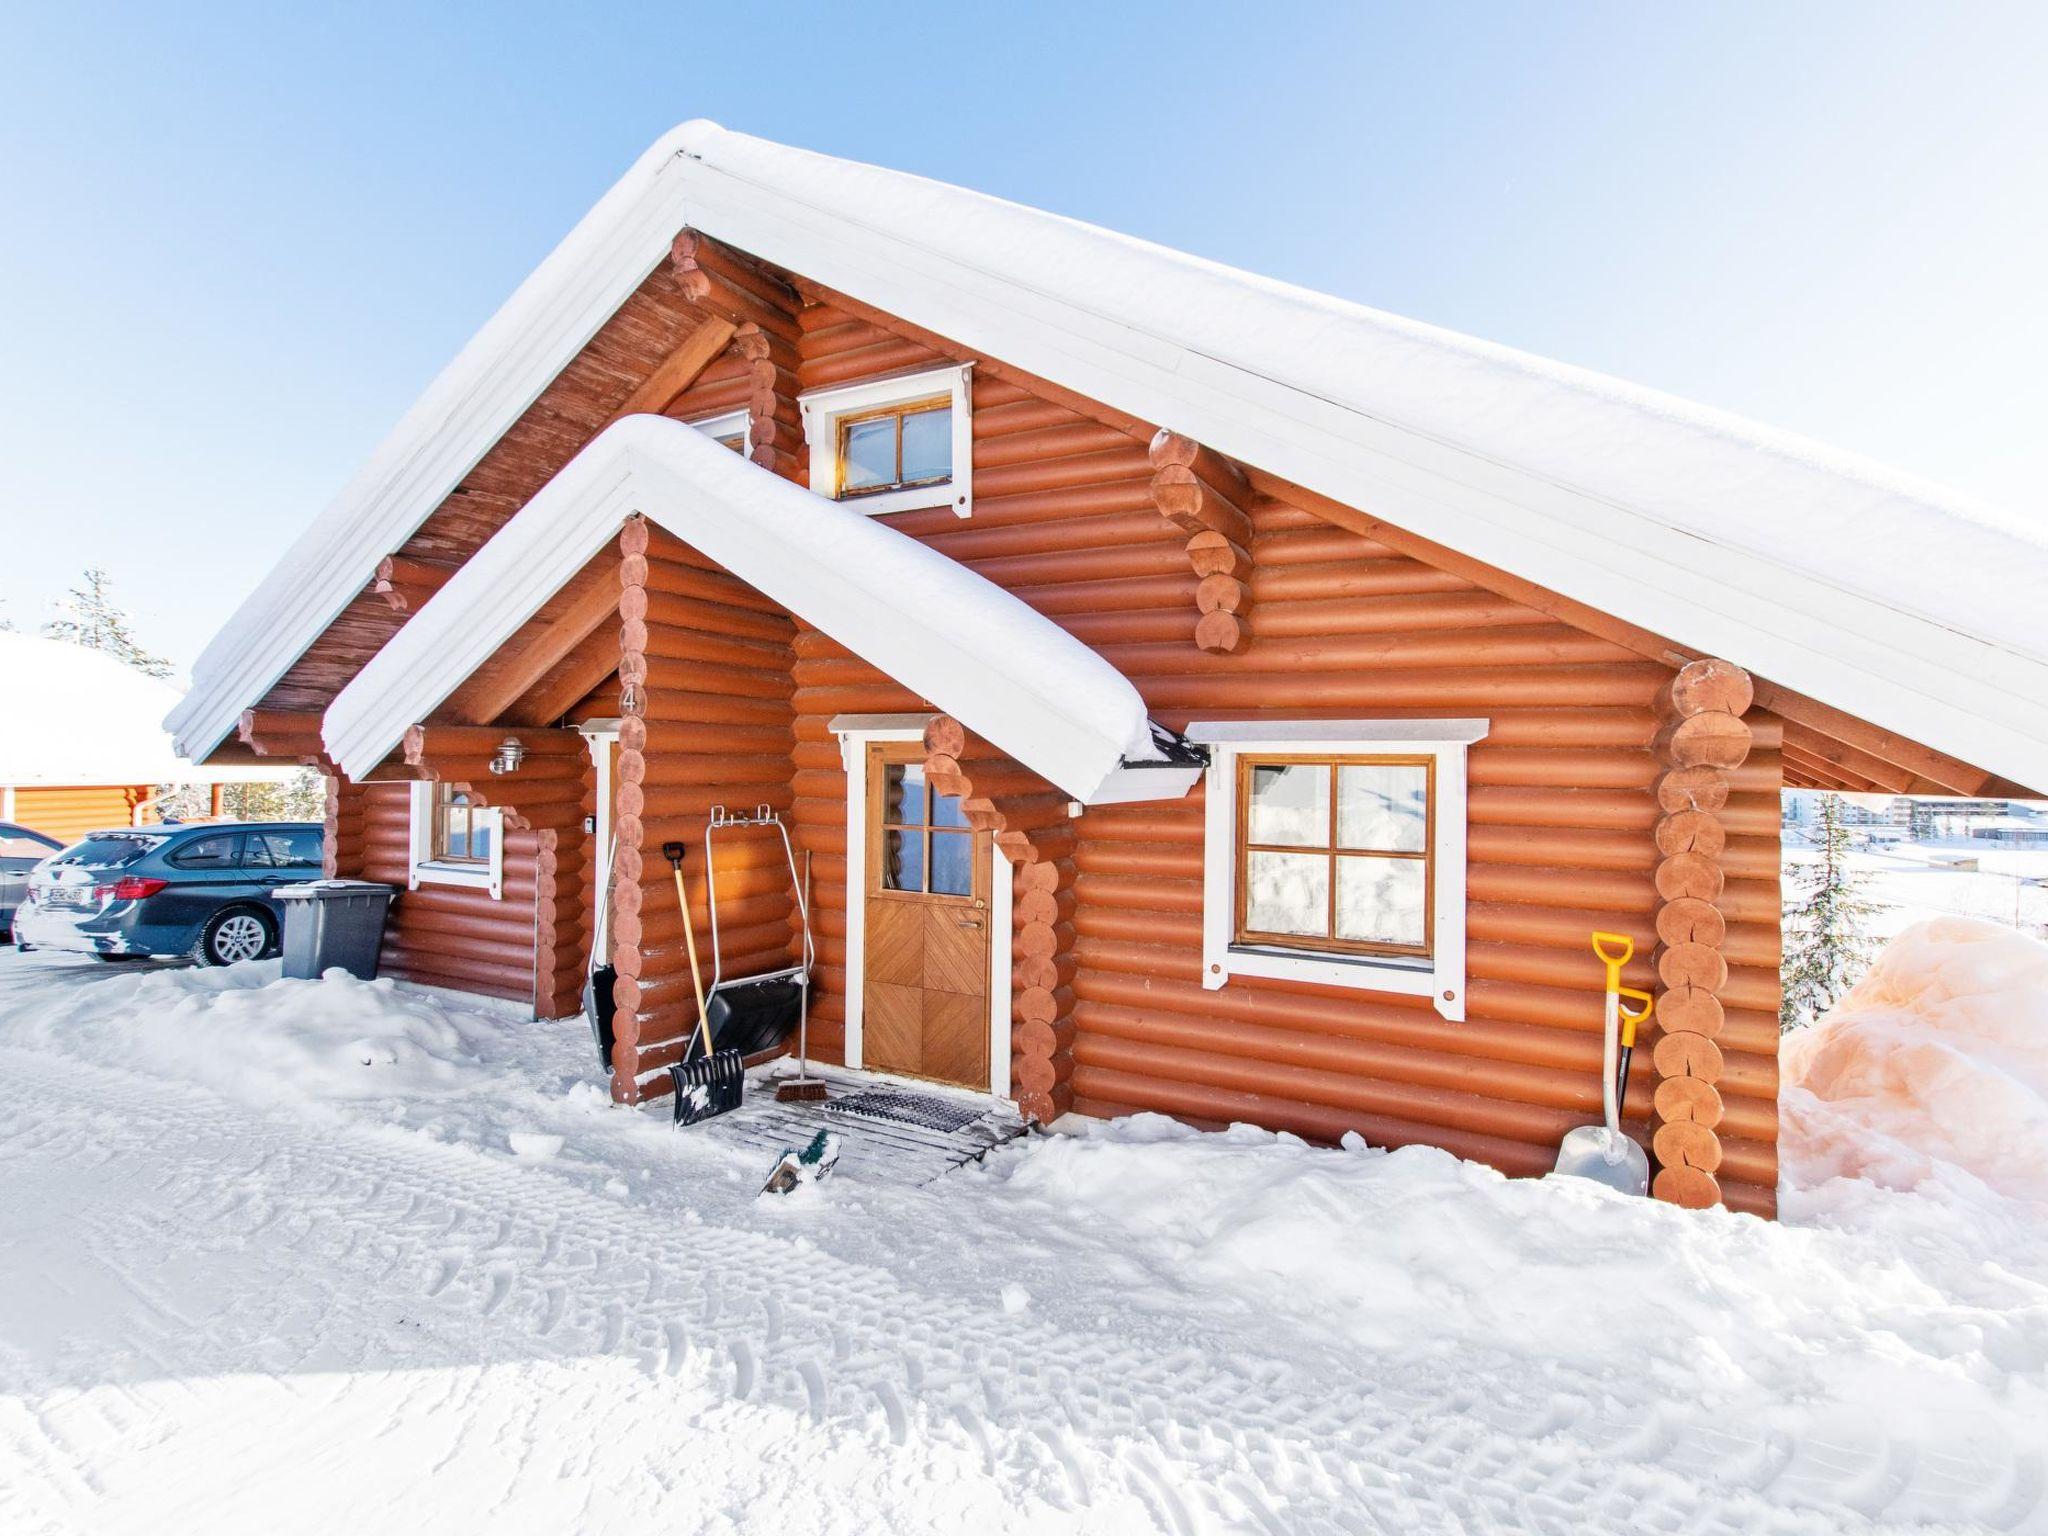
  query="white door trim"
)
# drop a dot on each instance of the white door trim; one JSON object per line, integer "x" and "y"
{"x": 855, "y": 732}
{"x": 600, "y": 736}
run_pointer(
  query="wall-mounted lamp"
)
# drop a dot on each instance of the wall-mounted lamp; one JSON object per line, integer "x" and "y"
{"x": 510, "y": 754}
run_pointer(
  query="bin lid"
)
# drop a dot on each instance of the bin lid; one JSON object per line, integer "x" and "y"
{"x": 332, "y": 890}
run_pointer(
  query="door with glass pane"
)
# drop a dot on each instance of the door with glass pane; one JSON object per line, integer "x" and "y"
{"x": 925, "y": 954}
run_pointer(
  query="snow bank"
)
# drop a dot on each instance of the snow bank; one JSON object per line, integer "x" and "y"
{"x": 1936, "y": 1062}
{"x": 245, "y": 1033}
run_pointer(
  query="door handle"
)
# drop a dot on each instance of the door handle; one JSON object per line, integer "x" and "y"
{"x": 968, "y": 922}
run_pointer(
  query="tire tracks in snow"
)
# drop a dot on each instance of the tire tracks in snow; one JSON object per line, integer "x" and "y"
{"x": 381, "y": 1231}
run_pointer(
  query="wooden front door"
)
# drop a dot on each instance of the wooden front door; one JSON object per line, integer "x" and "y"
{"x": 924, "y": 996}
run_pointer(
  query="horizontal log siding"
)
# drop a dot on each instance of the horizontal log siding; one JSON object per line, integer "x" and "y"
{"x": 710, "y": 661}
{"x": 1560, "y": 808}
{"x": 528, "y": 945}
{"x": 68, "y": 813}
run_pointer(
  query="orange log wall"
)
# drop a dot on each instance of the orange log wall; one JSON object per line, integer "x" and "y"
{"x": 67, "y": 813}
{"x": 526, "y": 945}
{"x": 1562, "y": 813}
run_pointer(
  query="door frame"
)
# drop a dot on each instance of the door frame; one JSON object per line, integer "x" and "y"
{"x": 855, "y": 732}
{"x": 601, "y": 736}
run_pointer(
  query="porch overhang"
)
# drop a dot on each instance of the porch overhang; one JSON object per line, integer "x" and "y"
{"x": 955, "y": 638}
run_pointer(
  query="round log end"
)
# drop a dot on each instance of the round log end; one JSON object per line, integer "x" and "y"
{"x": 1709, "y": 686}
{"x": 1692, "y": 789}
{"x": 1221, "y": 631}
{"x": 1689, "y": 920}
{"x": 1037, "y": 1108}
{"x": 1691, "y": 1010}
{"x": 1693, "y": 1188}
{"x": 1681, "y": 1053}
{"x": 1687, "y": 1144}
{"x": 1691, "y": 832}
{"x": 1713, "y": 740}
{"x": 1689, "y": 875}
{"x": 945, "y": 735}
{"x": 1699, "y": 966}
{"x": 1689, "y": 1099}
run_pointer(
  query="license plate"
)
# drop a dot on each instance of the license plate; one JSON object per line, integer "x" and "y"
{"x": 66, "y": 896}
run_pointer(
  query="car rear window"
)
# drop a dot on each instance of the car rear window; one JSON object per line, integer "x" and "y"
{"x": 110, "y": 850}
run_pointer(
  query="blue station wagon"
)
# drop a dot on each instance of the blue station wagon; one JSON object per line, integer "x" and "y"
{"x": 205, "y": 891}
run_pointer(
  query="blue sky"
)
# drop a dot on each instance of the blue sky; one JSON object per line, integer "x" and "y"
{"x": 235, "y": 242}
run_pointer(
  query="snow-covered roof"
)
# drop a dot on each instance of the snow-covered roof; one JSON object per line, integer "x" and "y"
{"x": 1885, "y": 596}
{"x": 956, "y": 638}
{"x": 72, "y": 716}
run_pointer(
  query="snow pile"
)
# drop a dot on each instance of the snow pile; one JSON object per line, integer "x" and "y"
{"x": 1936, "y": 1062}
{"x": 1414, "y": 1252}
{"x": 250, "y": 1035}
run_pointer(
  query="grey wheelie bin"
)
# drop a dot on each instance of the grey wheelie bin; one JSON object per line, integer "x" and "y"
{"x": 333, "y": 922}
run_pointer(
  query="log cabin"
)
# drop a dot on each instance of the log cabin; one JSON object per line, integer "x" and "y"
{"x": 1193, "y": 694}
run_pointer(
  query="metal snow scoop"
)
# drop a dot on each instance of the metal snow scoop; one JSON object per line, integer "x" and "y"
{"x": 1600, "y": 1152}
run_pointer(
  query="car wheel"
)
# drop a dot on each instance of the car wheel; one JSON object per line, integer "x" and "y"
{"x": 234, "y": 934}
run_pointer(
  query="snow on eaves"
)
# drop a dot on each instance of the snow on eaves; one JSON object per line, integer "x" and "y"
{"x": 1882, "y": 595}
{"x": 949, "y": 635}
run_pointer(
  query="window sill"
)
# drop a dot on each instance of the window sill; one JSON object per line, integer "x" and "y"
{"x": 917, "y": 498}
{"x": 1415, "y": 977}
{"x": 478, "y": 875}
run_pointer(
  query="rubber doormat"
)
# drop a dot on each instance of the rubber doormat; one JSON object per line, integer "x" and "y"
{"x": 908, "y": 1108}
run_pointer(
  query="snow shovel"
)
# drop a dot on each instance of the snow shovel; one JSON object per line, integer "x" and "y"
{"x": 708, "y": 1082}
{"x": 794, "y": 1169}
{"x": 1600, "y": 1152}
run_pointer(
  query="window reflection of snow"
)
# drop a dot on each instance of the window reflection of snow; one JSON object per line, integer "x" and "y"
{"x": 1383, "y": 806}
{"x": 1290, "y": 805}
{"x": 1288, "y": 893}
{"x": 1380, "y": 901}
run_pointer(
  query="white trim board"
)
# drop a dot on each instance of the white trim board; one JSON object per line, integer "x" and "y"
{"x": 855, "y": 733}
{"x": 822, "y": 409}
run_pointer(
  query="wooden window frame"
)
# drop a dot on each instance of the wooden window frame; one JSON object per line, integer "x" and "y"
{"x": 727, "y": 424}
{"x": 843, "y": 426}
{"x": 1229, "y": 954}
{"x": 424, "y": 867}
{"x": 828, "y": 412}
{"x": 880, "y": 761}
{"x": 1242, "y": 933}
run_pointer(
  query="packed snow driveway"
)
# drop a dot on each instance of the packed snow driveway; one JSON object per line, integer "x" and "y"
{"x": 268, "y": 1261}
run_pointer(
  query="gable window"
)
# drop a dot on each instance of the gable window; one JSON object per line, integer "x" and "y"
{"x": 455, "y": 841}
{"x": 1335, "y": 853}
{"x": 728, "y": 430}
{"x": 893, "y": 445}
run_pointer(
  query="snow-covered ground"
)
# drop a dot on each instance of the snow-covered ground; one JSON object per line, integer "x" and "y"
{"x": 1911, "y": 881}
{"x": 268, "y": 1261}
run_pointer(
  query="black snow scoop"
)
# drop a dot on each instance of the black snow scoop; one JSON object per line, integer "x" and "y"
{"x": 707, "y": 1082}
{"x": 598, "y": 981}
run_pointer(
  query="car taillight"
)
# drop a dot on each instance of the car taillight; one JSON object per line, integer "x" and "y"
{"x": 135, "y": 887}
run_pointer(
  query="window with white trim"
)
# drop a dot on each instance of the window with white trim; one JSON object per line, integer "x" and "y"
{"x": 455, "y": 841}
{"x": 894, "y": 445}
{"x": 1334, "y": 852}
{"x": 730, "y": 429}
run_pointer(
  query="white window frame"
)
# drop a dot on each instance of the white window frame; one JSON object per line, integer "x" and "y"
{"x": 823, "y": 408}
{"x": 421, "y": 869}
{"x": 1440, "y": 976}
{"x": 854, "y": 733}
{"x": 726, "y": 423}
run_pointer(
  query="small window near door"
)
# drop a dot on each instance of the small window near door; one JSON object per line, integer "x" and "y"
{"x": 927, "y": 845}
{"x": 462, "y": 829}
